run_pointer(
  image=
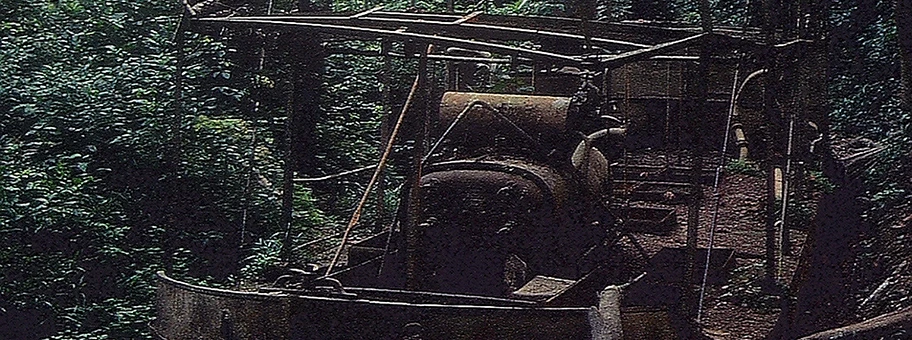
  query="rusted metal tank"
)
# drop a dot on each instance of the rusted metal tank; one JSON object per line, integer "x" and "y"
{"x": 504, "y": 121}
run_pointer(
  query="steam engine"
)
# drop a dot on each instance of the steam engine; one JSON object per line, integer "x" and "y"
{"x": 518, "y": 191}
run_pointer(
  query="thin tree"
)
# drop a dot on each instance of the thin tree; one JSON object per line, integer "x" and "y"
{"x": 904, "y": 35}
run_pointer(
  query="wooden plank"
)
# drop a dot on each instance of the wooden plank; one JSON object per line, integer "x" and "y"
{"x": 874, "y": 328}
{"x": 367, "y": 12}
{"x": 468, "y": 17}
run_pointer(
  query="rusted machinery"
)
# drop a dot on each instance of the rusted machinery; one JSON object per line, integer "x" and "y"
{"x": 510, "y": 233}
{"x": 508, "y": 195}
{"x": 505, "y": 244}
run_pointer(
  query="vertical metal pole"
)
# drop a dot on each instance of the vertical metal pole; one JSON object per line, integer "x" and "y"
{"x": 385, "y": 76}
{"x": 786, "y": 183}
{"x": 419, "y": 129}
{"x": 302, "y": 116}
{"x": 769, "y": 99}
{"x": 693, "y": 212}
{"x": 288, "y": 173}
{"x": 606, "y": 91}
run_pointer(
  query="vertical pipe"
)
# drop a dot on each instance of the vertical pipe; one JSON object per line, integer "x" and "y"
{"x": 606, "y": 91}
{"x": 665, "y": 140}
{"x": 716, "y": 196}
{"x": 419, "y": 129}
{"x": 770, "y": 255}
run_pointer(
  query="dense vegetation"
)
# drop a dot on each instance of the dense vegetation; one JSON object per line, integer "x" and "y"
{"x": 107, "y": 175}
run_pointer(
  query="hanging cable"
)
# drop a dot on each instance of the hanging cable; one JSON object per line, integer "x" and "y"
{"x": 716, "y": 195}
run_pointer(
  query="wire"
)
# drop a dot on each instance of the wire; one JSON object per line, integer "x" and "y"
{"x": 716, "y": 196}
{"x": 462, "y": 114}
{"x": 785, "y": 194}
{"x": 449, "y": 128}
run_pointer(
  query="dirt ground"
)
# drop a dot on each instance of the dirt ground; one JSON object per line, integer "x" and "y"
{"x": 739, "y": 307}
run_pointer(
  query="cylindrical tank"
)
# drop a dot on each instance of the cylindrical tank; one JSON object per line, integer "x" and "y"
{"x": 504, "y": 121}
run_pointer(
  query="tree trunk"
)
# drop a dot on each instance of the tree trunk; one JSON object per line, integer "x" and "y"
{"x": 904, "y": 35}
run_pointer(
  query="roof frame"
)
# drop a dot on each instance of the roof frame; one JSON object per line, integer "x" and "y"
{"x": 480, "y": 31}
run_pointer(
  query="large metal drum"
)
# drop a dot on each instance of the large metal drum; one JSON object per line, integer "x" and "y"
{"x": 515, "y": 120}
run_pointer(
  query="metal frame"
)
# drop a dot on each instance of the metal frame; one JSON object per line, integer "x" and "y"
{"x": 604, "y": 45}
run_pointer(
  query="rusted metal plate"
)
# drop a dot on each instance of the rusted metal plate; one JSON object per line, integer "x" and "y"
{"x": 193, "y": 312}
{"x": 644, "y": 323}
{"x": 541, "y": 288}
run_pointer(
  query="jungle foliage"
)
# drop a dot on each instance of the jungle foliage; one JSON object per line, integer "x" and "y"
{"x": 107, "y": 176}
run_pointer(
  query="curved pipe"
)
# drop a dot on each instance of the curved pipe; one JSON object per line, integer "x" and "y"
{"x": 740, "y": 137}
{"x": 581, "y": 153}
{"x": 740, "y": 141}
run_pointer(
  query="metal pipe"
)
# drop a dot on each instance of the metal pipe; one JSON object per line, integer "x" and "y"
{"x": 419, "y": 124}
{"x": 740, "y": 141}
{"x": 463, "y": 29}
{"x": 441, "y": 57}
{"x": 737, "y": 127}
{"x": 783, "y": 231}
{"x": 645, "y": 53}
{"x": 716, "y": 195}
{"x": 380, "y": 33}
